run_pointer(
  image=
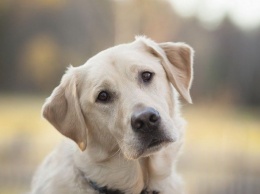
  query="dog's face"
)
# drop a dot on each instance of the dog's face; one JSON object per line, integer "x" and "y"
{"x": 123, "y": 97}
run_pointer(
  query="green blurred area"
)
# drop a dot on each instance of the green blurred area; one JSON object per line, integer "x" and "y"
{"x": 39, "y": 39}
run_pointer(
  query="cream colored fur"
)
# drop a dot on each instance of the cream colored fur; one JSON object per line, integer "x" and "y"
{"x": 107, "y": 150}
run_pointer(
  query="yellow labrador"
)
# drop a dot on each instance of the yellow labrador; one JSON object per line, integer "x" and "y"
{"x": 122, "y": 110}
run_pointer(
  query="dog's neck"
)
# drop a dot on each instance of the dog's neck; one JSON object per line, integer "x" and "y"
{"x": 118, "y": 174}
{"x": 115, "y": 173}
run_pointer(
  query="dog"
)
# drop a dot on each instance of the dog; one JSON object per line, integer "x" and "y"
{"x": 122, "y": 111}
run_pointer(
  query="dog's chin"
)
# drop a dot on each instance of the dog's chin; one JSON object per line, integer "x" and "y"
{"x": 155, "y": 146}
{"x": 145, "y": 150}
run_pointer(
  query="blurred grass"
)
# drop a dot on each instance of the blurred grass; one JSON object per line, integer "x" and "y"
{"x": 24, "y": 141}
{"x": 21, "y": 115}
{"x": 222, "y": 149}
{"x": 224, "y": 127}
{"x": 222, "y": 143}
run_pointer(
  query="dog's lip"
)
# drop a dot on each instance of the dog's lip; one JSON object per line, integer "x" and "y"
{"x": 157, "y": 142}
{"x": 154, "y": 145}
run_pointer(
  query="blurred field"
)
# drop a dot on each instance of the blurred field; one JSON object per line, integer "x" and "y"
{"x": 24, "y": 141}
{"x": 221, "y": 155}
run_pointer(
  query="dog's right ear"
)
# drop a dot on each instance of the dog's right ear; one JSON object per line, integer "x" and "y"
{"x": 177, "y": 61}
{"x": 62, "y": 109}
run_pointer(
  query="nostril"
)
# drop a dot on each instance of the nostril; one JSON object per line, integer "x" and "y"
{"x": 139, "y": 124}
{"x": 153, "y": 118}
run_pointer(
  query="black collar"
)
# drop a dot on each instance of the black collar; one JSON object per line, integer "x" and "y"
{"x": 96, "y": 187}
{"x": 103, "y": 190}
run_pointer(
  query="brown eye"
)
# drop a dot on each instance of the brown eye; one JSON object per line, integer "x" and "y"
{"x": 147, "y": 76}
{"x": 103, "y": 96}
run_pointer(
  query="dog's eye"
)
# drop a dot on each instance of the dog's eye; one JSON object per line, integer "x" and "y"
{"x": 147, "y": 76}
{"x": 103, "y": 96}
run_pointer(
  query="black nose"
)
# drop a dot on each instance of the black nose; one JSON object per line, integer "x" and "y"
{"x": 145, "y": 120}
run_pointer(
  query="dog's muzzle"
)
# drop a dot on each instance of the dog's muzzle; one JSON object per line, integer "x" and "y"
{"x": 146, "y": 123}
{"x": 145, "y": 120}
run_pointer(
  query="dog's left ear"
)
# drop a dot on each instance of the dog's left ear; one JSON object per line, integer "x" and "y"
{"x": 177, "y": 60}
{"x": 62, "y": 109}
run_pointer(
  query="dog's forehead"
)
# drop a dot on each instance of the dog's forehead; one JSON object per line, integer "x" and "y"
{"x": 121, "y": 60}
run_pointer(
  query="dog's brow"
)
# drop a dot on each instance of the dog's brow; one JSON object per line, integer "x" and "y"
{"x": 137, "y": 68}
{"x": 105, "y": 85}
{"x": 134, "y": 68}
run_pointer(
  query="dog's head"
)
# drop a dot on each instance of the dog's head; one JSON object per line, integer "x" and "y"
{"x": 124, "y": 98}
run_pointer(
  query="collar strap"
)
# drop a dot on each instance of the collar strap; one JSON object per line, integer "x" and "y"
{"x": 103, "y": 190}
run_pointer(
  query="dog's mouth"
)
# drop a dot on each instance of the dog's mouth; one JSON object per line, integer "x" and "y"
{"x": 154, "y": 146}
{"x": 155, "y": 142}
{"x": 149, "y": 146}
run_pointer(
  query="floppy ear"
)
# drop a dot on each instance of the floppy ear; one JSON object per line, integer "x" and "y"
{"x": 177, "y": 60}
{"x": 63, "y": 111}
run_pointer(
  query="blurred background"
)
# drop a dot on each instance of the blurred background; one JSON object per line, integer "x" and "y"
{"x": 39, "y": 39}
